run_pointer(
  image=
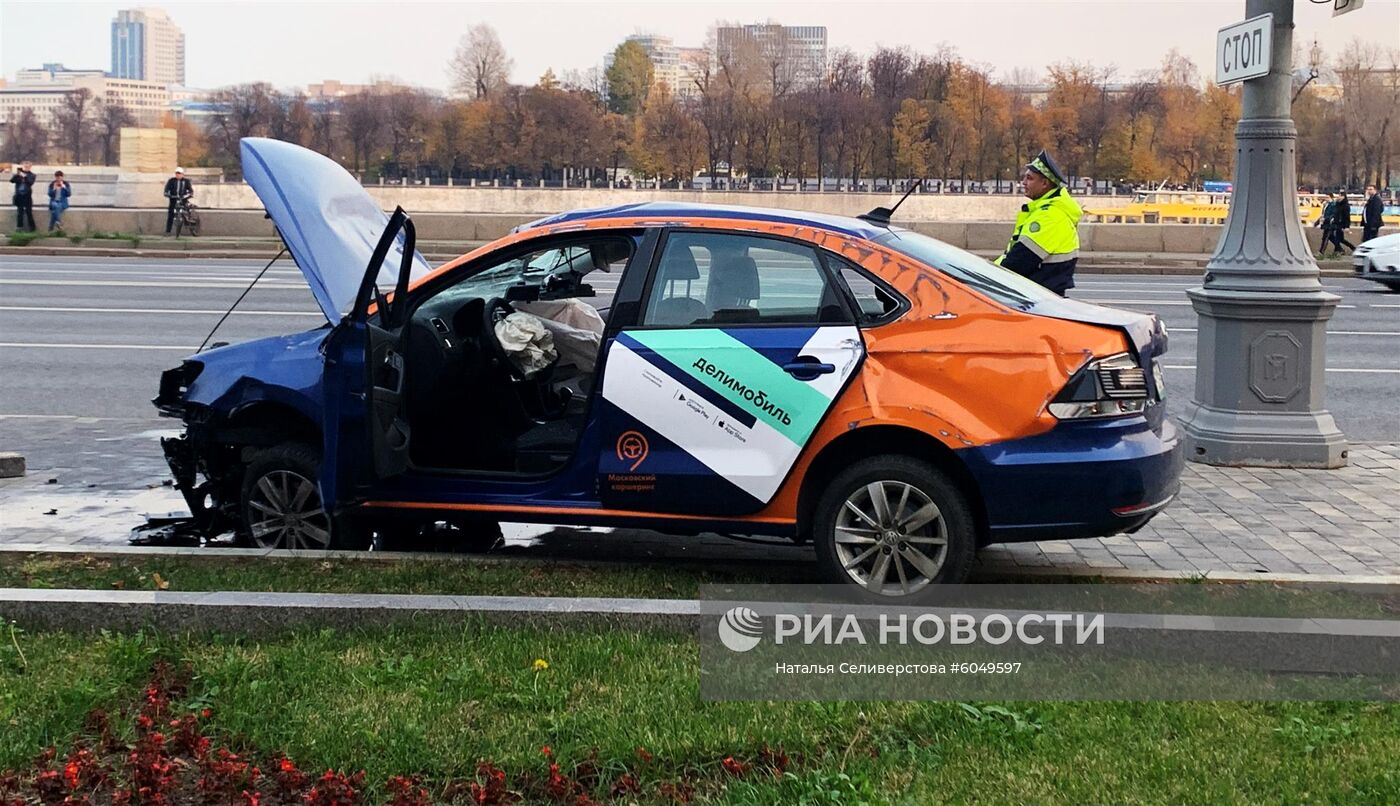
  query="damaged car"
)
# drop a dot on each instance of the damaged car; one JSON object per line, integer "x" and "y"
{"x": 893, "y": 400}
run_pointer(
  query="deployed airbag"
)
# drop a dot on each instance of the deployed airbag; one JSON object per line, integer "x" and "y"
{"x": 576, "y": 327}
{"x": 527, "y": 343}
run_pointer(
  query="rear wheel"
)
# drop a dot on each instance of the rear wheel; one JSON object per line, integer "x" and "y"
{"x": 892, "y": 526}
{"x": 282, "y": 508}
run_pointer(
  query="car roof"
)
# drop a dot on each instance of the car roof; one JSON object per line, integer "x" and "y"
{"x": 845, "y": 225}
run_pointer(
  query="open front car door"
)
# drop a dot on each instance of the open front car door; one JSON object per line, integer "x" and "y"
{"x": 366, "y": 430}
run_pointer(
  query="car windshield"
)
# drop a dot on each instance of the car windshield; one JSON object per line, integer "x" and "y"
{"x": 531, "y": 269}
{"x": 1002, "y": 285}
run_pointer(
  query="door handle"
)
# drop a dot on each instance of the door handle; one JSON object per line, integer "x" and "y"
{"x": 807, "y": 368}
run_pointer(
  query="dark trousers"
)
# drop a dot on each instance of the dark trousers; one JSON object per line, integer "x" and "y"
{"x": 1367, "y": 233}
{"x": 24, "y": 215}
{"x": 1334, "y": 237}
{"x": 170, "y": 217}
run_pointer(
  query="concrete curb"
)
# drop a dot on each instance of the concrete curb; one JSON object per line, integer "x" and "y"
{"x": 981, "y": 573}
{"x": 258, "y": 613}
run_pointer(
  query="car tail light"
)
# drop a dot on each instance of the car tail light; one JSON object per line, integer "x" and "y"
{"x": 1115, "y": 386}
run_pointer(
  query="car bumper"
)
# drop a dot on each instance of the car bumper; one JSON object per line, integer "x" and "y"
{"x": 1374, "y": 267}
{"x": 1080, "y": 479}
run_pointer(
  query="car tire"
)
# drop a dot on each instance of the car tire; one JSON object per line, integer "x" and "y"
{"x": 281, "y": 504}
{"x": 926, "y": 533}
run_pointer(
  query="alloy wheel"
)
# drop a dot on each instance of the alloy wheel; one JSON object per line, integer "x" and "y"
{"x": 891, "y": 538}
{"x": 286, "y": 512}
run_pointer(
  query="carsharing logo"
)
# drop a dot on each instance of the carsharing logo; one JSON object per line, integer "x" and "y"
{"x": 740, "y": 629}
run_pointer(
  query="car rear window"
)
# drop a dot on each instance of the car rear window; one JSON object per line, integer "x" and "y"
{"x": 1003, "y": 285}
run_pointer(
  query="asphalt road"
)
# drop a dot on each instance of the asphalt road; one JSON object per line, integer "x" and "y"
{"x": 89, "y": 337}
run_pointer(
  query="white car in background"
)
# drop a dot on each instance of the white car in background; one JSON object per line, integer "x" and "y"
{"x": 1379, "y": 259}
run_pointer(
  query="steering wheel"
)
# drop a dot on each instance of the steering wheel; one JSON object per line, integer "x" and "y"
{"x": 494, "y": 311}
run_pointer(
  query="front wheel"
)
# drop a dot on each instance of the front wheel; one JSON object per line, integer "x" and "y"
{"x": 892, "y": 526}
{"x": 282, "y": 508}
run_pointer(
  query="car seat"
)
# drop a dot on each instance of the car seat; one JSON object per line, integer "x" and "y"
{"x": 733, "y": 286}
{"x": 678, "y": 266}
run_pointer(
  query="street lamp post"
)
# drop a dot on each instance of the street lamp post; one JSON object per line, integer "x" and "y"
{"x": 1260, "y": 351}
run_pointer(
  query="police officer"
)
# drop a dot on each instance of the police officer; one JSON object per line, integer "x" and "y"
{"x": 1044, "y": 247}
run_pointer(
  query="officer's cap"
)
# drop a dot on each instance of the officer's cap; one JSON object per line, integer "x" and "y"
{"x": 1046, "y": 167}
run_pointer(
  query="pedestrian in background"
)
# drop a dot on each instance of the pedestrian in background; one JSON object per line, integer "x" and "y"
{"x": 23, "y": 198}
{"x": 1371, "y": 214}
{"x": 1326, "y": 222}
{"x": 1044, "y": 246}
{"x": 1341, "y": 222}
{"x": 59, "y": 192}
{"x": 177, "y": 189}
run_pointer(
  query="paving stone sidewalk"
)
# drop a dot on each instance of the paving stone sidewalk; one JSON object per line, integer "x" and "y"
{"x": 1343, "y": 522}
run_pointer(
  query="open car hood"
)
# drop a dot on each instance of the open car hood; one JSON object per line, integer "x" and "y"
{"x": 328, "y": 221}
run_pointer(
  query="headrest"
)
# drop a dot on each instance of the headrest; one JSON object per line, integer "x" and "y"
{"x": 606, "y": 253}
{"x": 678, "y": 264}
{"x": 737, "y": 274}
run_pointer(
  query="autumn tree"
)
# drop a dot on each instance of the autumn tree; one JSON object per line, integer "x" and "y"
{"x": 406, "y": 113}
{"x": 109, "y": 120}
{"x": 629, "y": 78}
{"x": 192, "y": 148}
{"x": 1370, "y": 79}
{"x": 480, "y": 66}
{"x": 362, "y": 118}
{"x": 25, "y": 138}
{"x": 290, "y": 118}
{"x": 890, "y": 72}
{"x": 669, "y": 142}
{"x": 912, "y": 146}
{"x": 241, "y": 111}
{"x": 73, "y": 122}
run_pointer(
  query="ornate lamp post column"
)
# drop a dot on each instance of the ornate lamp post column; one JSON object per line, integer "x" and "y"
{"x": 1262, "y": 311}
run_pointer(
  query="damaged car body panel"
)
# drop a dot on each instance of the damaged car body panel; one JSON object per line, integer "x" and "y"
{"x": 749, "y": 367}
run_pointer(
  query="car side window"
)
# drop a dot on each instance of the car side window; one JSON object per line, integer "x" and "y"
{"x": 875, "y": 302}
{"x": 707, "y": 278}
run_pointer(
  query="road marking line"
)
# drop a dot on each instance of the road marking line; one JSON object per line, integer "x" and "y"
{"x": 144, "y": 311}
{"x": 66, "y": 346}
{"x": 1152, "y": 302}
{"x": 1329, "y": 369}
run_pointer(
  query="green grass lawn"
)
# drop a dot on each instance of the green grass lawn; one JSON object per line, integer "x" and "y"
{"x": 447, "y": 575}
{"x": 436, "y": 701}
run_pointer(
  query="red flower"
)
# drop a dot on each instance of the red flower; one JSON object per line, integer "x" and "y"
{"x": 206, "y": 713}
{"x": 734, "y": 767}
{"x": 71, "y": 771}
{"x": 643, "y": 754}
{"x": 548, "y": 753}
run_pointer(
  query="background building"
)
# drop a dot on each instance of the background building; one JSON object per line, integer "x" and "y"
{"x": 798, "y": 50}
{"x": 147, "y": 46}
{"x": 673, "y": 67}
{"x": 43, "y": 89}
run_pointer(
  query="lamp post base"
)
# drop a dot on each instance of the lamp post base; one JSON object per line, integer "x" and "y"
{"x": 1262, "y": 439}
{"x": 1260, "y": 381}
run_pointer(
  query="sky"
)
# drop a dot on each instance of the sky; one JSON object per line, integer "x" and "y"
{"x": 291, "y": 44}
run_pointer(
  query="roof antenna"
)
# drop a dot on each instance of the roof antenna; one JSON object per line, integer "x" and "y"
{"x": 882, "y": 215}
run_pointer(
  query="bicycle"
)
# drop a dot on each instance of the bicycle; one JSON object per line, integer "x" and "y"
{"x": 186, "y": 218}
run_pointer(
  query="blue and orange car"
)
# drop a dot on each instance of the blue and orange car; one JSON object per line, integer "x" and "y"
{"x": 892, "y": 400}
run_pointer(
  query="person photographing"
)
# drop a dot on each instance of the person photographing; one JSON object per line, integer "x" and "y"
{"x": 23, "y": 197}
{"x": 59, "y": 193}
{"x": 1044, "y": 245}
